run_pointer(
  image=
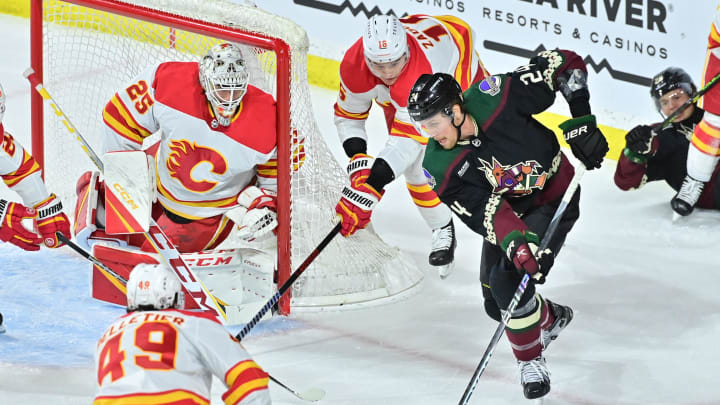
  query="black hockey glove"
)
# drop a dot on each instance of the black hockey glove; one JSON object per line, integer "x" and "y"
{"x": 522, "y": 250}
{"x": 639, "y": 141}
{"x": 586, "y": 141}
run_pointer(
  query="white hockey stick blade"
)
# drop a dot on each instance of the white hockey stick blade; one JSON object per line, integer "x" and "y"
{"x": 311, "y": 395}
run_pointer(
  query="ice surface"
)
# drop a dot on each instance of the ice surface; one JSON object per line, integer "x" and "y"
{"x": 643, "y": 288}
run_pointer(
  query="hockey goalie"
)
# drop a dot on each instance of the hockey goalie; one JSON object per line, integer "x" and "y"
{"x": 213, "y": 171}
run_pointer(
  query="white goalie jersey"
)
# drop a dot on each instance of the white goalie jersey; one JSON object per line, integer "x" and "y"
{"x": 201, "y": 165}
{"x": 170, "y": 357}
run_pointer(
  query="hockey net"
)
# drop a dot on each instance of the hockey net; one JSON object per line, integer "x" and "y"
{"x": 86, "y": 50}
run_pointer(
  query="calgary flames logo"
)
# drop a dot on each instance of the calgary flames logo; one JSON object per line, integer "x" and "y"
{"x": 185, "y": 157}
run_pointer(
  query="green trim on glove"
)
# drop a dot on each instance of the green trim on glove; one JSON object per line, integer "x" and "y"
{"x": 528, "y": 236}
{"x": 576, "y": 122}
{"x": 635, "y": 157}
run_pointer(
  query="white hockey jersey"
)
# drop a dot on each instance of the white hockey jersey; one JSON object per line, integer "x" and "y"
{"x": 437, "y": 44}
{"x": 169, "y": 357}
{"x": 20, "y": 171}
{"x": 201, "y": 166}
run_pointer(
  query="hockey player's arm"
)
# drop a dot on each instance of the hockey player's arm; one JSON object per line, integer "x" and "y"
{"x": 228, "y": 360}
{"x": 351, "y": 112}
{"x": 128, "y": 117}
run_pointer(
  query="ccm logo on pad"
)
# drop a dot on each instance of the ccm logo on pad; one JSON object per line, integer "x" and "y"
{"x": 125, "y": 196}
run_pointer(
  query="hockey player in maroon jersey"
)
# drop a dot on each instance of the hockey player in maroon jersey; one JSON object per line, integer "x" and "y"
{"x": 503, "y": 174}
{"x": 22, "y": 174}
{"x": 382, "y": 66}
{"x": 652, "y": 153}
{"x": 160, "y": 354}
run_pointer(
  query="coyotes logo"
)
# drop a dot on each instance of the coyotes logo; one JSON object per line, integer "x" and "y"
{"x": 518, "y": 179}
{"x": 185, "y": 157}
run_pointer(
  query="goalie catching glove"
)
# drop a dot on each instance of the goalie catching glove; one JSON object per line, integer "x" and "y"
{"x": 522, "y": 250}
{"x": 11, "y": 228}
{"x": 261, "y": 216}
{"x": 51, "y": 219}
{"x": 586, "y": 141}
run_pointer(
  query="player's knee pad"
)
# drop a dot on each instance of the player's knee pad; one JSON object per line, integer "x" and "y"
{"x": 504, "y": 281}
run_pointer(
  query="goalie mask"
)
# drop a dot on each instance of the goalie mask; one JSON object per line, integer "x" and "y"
{"x": 2, "y": 103}
{"x": 152, "y": 286}
{"x": 224, "y": 78}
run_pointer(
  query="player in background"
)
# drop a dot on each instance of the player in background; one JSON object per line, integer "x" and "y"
{"x": 157, "y": 353}
{"x": 503, "y": 174}
{"x": 217, "y": 151}
{"x": 704, "y": 150}
{"x": 382, "y": 67}
{"x": 648, "y": 157}
{"x": 22, "y": 174}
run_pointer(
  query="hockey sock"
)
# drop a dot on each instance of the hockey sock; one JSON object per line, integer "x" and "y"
{"x": 523, "y": 330}
{"x": 548, "y": 318}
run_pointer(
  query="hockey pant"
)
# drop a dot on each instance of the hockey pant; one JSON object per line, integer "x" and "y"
{"x": 500, "y": 280}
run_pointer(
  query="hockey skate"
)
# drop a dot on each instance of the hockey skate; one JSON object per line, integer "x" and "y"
{"x": 2, "y": 327}
{"x": 563, "y": 315}
{"x": 442, "y": 255}
{"x": 688, "y": 195}
{"x": 534, "y": 377}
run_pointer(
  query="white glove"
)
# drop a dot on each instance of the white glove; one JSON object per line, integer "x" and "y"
{"x": 261, "y": 216}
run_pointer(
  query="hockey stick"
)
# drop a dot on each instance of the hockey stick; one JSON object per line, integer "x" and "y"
{"x": 286, "y": 286}
{"x": 312, "y": 394}
{"x": 155, "y": 235}
{"x": 554, "y": 222}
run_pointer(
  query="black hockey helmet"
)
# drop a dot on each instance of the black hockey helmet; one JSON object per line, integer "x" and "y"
{"x": 668, "y": 80}
{"x": 433, "y": 93}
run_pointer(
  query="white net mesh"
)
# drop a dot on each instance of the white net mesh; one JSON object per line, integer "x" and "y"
{"x": 89, "y": 54}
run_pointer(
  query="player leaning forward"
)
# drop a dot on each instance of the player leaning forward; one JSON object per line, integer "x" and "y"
{"x": 218, "y": 137}
{"x": 382, "y": 66}
{"x": 503, "y": 174}
{"x": 159, "y": 354}
{"x": 22, "y": 174}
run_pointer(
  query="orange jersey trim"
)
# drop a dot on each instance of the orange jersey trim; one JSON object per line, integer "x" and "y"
{"x": 713, "y": 38}
{"x": 223, "y": 202}
{"x": 405, "y": 130}
{"x": 340, "y": 112}
{"x": 707, "y": 138}
{"x": 117, "y": 117}
{"x": 423, "y": 195}
{"x": 268, "y": 169}
{"x": 28, "y": 167}
{"x": 174, "y": 397}
{"x": 462, "y": 36}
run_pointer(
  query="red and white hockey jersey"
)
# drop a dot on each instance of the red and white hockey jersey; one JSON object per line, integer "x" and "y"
{"x": 169, "y": 357}
{"x": 20, "y": 171}
{"x": 201, "y": 166}
{"x": 437, "y": 44}
{"x": 706, "y": 136}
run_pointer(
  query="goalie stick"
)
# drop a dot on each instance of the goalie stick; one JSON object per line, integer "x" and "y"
{"x": 311, "y": 394}
{"x": 155, "y": 235}
{"x": 579, "y": 172}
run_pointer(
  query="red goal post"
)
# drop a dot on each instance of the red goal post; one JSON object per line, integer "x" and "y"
{"x": 84, "y": 50}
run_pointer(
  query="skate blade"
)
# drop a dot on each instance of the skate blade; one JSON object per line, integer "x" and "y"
{"x": 539, "y": 401}
{"x": 444, "y": 271}
{"x": 676, "y": 217}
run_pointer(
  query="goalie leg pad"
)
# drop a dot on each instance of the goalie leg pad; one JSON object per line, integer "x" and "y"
{"x": 121, "y": 260}
{"x": 130, "y": 193}
{"x": 89, "y": 227}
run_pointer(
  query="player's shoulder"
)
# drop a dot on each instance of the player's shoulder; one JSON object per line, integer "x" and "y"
{"x": 354, "y": 72}
{"x": 177, "y": 85}
{"x": 255, "y": 124}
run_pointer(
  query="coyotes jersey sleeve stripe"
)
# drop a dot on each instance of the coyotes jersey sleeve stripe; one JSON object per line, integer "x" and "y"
{"x": 244, "y": 379}
{"x": 406, "y": 130}
{"x": 174, "y": 397}
{"x": 340, "y": 112}
{"x": 707, "y": 138}
{"x": 462, "y": 36}
{"x": 28, "y": 166}
{"x": 117, "y": 117}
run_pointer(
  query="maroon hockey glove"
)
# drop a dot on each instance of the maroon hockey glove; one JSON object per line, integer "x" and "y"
{"x": 355, "y": 207}
{"x": 51, "y": 219}
{"x": 359, "y": 168}
{"x": 586, "y": 141}
{"x": 522, "y": 250}
{"x": 11, "y": 228}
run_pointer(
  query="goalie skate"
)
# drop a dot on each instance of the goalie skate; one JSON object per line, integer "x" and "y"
{"x": 442, "y": 255}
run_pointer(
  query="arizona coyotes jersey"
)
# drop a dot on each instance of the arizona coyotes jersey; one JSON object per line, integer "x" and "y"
{"x": 201, "y": 165}
{"x": 20, "y": 171}
{"x": 437, "y": 44}
{"x": 169, "y": 357}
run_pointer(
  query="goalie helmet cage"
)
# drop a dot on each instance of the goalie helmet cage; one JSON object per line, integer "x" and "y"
{"x": 86, "y": 50}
